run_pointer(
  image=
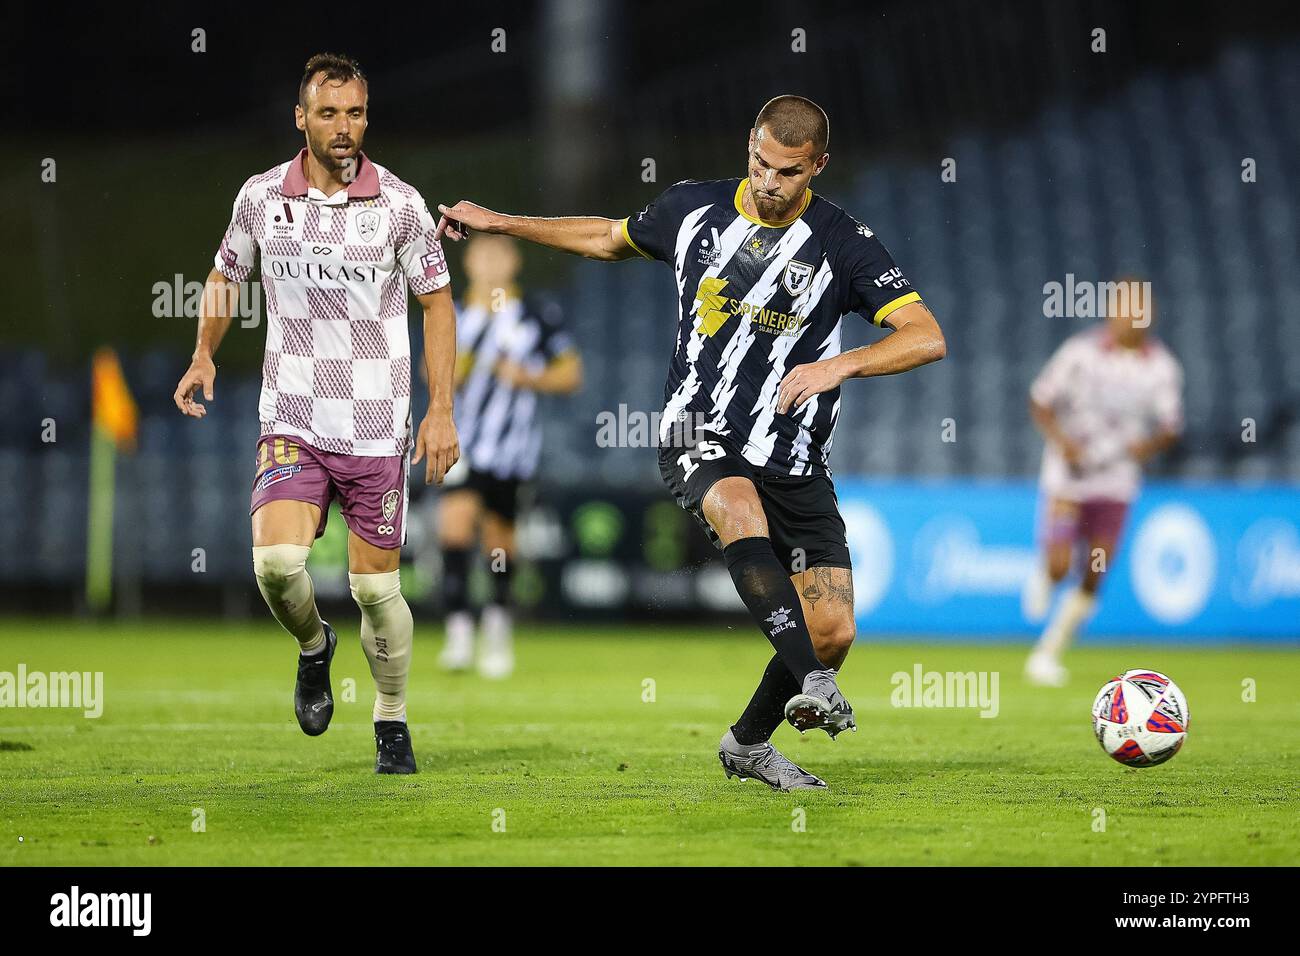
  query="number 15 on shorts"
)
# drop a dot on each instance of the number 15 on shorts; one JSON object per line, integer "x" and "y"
{"x": 704, "y": 451}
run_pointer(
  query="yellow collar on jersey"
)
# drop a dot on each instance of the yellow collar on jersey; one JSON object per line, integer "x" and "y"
{"x": 740, "y": 208}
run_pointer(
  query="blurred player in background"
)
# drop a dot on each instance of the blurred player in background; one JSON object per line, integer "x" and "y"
{"x": 340, "y": 240}
{"x": 511, "y": 348}
{"x": 764, "y": 271}
{"x": 1107, "y": 401}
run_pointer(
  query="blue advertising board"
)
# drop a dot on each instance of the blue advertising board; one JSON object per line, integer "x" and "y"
{"x": 1196, "y": 561}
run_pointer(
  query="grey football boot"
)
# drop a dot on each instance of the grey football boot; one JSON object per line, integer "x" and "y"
{"x": 821, "y": 705}
{"x": 764, "y": 762}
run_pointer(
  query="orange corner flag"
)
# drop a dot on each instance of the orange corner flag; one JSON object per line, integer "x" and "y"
{"x": 112, "y": 408}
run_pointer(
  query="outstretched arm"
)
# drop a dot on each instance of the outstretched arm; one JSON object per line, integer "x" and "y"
{"x": 591, "y": 236}
{"x": 917, "y": 340}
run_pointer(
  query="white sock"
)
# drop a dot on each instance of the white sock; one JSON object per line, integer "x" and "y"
{"x": 1036, "y": 595}
{"x": 281, "y": 571}
{"x": 386, "y": 635}
{"x": 460, "y": 631}
{"x": 497, "y": 628}
{"x": 1071, "y": 614}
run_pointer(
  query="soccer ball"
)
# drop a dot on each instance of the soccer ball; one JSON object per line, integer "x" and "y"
{"x": 1140, "y": 718}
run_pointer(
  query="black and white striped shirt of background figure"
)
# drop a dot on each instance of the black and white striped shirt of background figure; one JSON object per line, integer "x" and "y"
{"x": 496, "y": 422}
{"x": 755, "y": 299}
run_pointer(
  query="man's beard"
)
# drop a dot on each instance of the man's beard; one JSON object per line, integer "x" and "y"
{"x": 330, "y": 161}
{"x": 776, "y": 209}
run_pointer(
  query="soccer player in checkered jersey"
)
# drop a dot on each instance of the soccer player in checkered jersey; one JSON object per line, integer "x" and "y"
{"x": 764, "y": 271}
{"x": 340, "y": 240}
{"x": 1107, "y": 401}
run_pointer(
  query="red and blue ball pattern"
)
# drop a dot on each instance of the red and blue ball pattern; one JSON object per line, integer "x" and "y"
{"x": 1140, "y": 718}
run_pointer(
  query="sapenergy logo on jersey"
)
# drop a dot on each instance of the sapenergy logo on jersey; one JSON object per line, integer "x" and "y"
{"x": 715, "y": 308}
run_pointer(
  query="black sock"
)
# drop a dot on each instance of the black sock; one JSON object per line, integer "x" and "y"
{"x": 765, "y": 587}
{"x": 766, "y": 708}
{"x": 455, "y": 580}
{"x": 501, "y": 585}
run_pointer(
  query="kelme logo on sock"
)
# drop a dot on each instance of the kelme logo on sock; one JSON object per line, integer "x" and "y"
{"x": 780, "y": 620}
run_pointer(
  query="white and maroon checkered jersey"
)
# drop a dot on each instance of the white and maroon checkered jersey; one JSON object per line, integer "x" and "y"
{"x": 1106, "y": 398}
{"x": 335, "y": 270}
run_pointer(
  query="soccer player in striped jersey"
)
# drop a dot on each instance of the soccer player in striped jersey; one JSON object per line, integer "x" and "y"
{"x": 511, "y": 348}
{"x": 764, "y": 270}
{"x": 1108, "y": 400}
{"x": 340, "y": 241}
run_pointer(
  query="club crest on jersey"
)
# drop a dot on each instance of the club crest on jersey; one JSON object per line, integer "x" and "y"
{"x": 797, "y": 277}
{"x": 368, "y": 225}
{"x": 389, "y": 503}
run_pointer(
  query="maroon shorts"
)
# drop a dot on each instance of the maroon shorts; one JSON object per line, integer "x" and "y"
{"x": 371, "y": 492}
{"x": 1096, "y": 518}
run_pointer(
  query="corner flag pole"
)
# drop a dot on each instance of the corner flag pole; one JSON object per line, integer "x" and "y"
{"x": 99, "y": 532}
{"x": 114, "y": 418}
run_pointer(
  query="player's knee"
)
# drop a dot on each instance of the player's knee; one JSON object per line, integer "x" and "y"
{"x": 832, "y": 639}
{"x": 457, "y": 537}
{"x": 276, "y": 565}
{"x": 457, "y": 521}
{"x": 371, "y": 589}
{"x": 739, "y": 519}
{"x": 1098, "y": 564}
{"x": 1058, "y": 565}
{"x": 734, "y": 511}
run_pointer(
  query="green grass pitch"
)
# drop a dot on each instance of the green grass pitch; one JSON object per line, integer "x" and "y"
{"x": 567, "y": 763}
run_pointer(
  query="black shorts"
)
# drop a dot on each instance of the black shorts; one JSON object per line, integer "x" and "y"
{"x": 803, "y": 514}
{"x": 500, "y": 495}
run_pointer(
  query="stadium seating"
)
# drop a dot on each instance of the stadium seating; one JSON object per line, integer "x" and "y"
{"x": 1148, "y": 181}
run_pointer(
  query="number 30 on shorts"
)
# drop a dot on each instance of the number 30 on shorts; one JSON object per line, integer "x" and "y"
{"x": 704, "y": 451}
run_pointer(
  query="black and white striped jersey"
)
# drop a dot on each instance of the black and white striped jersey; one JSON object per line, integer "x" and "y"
{"x": 755, "y": 300}
{"x": 496, "y": 422}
